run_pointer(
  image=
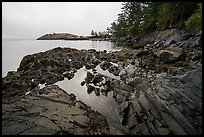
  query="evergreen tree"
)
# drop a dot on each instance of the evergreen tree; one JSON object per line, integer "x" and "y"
{"x": 168, "y": 13}
{"x": 95, "y": 34}
{"x": 194, "y": 22}
{"x": 150, "y": 17}
{"x": 92, "y": 33}
{"x": 133, "y": 13}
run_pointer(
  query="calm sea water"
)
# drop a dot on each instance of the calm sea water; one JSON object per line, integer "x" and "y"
{"x": 13, "y": 51}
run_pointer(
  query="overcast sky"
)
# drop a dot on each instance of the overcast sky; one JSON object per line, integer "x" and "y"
{"x": 34, "y": 19}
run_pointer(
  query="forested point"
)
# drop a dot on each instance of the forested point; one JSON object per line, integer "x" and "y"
{"x": 139, "y": 18}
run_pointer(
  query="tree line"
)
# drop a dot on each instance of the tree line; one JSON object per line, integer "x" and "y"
{"x": 103, "y": 34}
{"x": 138, "y": 18}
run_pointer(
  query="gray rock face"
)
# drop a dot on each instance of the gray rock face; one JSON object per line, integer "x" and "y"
{"x": 194, "y": 77}
{"x": 52, "y": 112}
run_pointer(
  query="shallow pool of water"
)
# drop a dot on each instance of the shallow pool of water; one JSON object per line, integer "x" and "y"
{"x": 105, "y": 105}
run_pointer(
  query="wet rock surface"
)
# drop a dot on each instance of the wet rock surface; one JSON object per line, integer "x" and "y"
{"x": 51, "y": 111}
{"x": 153, "y": 97}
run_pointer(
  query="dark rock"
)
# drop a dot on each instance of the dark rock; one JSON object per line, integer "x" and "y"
{"x": 90, "y": 89}
{"x": 105, "y": 65}
{"x": 89, "y": 77}
{"x": 115, "y": 70}
{"x": 97, "y": 91}
{"x": 137, "y": 46}
{"x": 97, "y": 78}
{"x": 83, "y": 83}
{"x": 70, "y": 76}
{"x": 143, "y": 53}
{"x": 25, "y": 61}
{"x": 104, "y": 92}
{"x": 34, "y": 84}
{"x": 89, "y": 66}
{"x": 94, "y": 70}
{"x": 49, "y": 62}
{"x": 77, "y": 65}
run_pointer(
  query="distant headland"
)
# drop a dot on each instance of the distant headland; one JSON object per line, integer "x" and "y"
{"x": 62, "y": 36}
{"x": 68, "y": 36}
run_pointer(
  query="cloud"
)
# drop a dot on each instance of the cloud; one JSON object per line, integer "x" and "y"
{"x": 33, "y": 19}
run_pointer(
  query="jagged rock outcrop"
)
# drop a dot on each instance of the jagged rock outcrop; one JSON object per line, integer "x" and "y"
{"x": 172, "y": 37}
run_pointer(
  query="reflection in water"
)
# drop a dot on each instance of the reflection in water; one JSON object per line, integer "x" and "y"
{"x": 104, "y": 105}
{"x": 106, "y": 73}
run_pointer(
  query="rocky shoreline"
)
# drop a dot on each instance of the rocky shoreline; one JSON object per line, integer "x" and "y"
{"x": 157, "y": 88}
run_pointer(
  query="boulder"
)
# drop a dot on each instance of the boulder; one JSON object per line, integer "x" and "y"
{"x": 171, "y": 54}
{"x": 90, "y": 89}
{"x": 137, "y": 46}
{"x": 89, "y": 77}
{"x": 143, "y": 53}
{"x": 105, "y": 65}
{"x": 97, "y": 78}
